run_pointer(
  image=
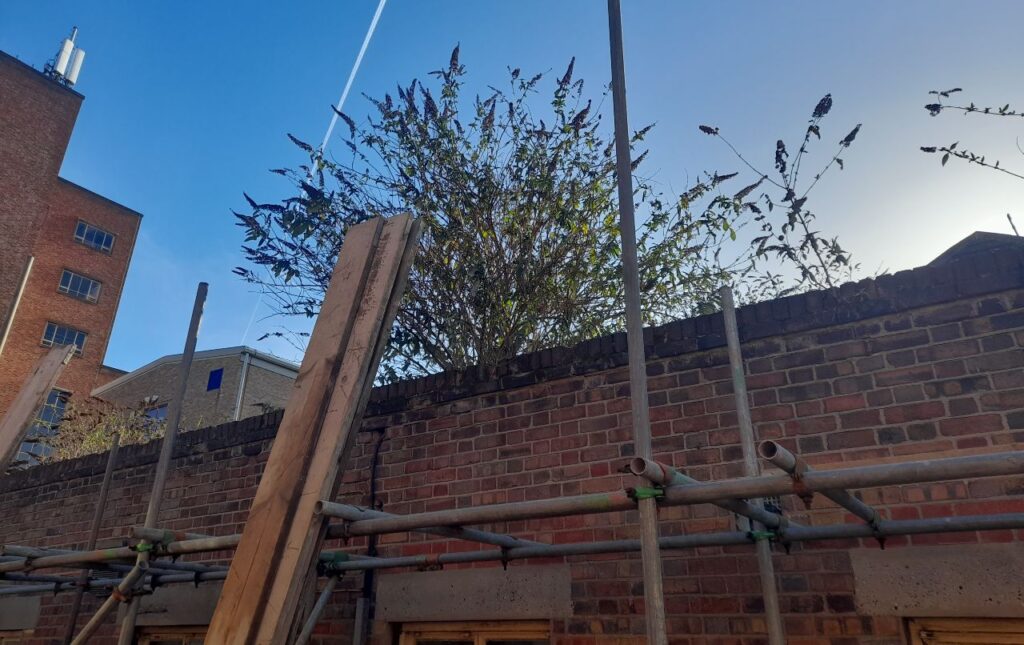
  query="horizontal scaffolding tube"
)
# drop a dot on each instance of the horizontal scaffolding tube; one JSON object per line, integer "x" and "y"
{"x": 1007, "y": 463}
{"x": 888, "y": 528}
{"x": 797, "y": 468}
{"x": 60, "y": 583}
{"x": 31, "y": 558}
{"x": 165, "y": 536}
{"x": 340, "y": 562}
{"x": 33, "y": 553}
{"x": 355, "y": 514}
{"x": 68, "y": 559}
{"x": 663, "y": 475}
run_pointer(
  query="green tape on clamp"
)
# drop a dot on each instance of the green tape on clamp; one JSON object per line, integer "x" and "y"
{"x": 144, "y": 547}
{"x": 334, "y": 557}
{"x": 757, "y": 536}
{"x": 641, "y": 492}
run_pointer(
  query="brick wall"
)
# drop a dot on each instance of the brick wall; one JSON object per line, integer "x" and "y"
{"x": 920, "y": 364}
{"x": 201, "y": 407}
{"x": 39, "y": 212}
{"x": 264, "y": 390}
{"x": 36, "y": 118}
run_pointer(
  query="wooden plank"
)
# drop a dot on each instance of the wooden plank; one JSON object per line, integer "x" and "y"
{"x": 345, "y": 410}
{"x": 273, "y": 557}
{"x": 26, "y": 405}
{"x": 255, "y": 558}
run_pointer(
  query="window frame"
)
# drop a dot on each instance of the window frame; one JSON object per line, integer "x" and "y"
{"x": 148, "y": 635}
{"x": 32, "y": 451}
{"x": 84, "y": 237}
{"x": 210, "y": 386}
{"x": 47, "y": 342}
{"x": 156, "y": 408}
{"x": 479, "y": 633}
{"x": 923, "y": 631}
{"x": 68, "y": 292}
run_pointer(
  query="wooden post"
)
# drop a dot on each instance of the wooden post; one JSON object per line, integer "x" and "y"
{"x": 26, "y": 405}
{"x": 284, "y": 533}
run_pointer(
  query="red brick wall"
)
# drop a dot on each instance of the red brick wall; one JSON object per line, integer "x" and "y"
{"x": 921, "y": 364}
{"x": 39, "y": 213}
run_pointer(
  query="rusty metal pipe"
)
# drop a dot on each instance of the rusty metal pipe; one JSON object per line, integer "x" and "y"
{"x": 731, "y": 538}
{"x": 664, "y": 475}
{"x": 796, "y": 467}
{"x": 910, "y": 472}
{"x": 357, "y": 513}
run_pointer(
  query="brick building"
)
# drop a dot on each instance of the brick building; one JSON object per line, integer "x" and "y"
{"x": 923, "y": 363}
{"x": 68, "y": 246}
{"x": 224, "y": 385}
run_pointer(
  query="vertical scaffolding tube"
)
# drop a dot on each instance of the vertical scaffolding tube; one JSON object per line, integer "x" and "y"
{"x": 127, "y": 636}
{"x": 317, "y": 611}
{"x": 773, "y": 616}
{"x": 654, "y": 597}
{"x": 94, "y": 532}
{"x": 123, "y": 591}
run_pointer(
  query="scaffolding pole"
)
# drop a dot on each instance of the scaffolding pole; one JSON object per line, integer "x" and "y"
{"x": 654, "y": 594}
{"x": 317, "y": 611}
{"x": 766, "y": 569}
{"x": 662, "y": 475}
{"x": 797, "y": 467}
{"x": 335, "y": 565}
{"x": 889, "y": 528}
{"x": 909, "y": 472}
{"x": 912, "y": 472}
{"x": 94, "y": 532}
{"x": 124, "y": 590}
{"x": 357, "y": 513}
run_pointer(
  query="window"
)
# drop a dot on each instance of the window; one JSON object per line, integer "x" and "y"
{"x": 79, "y": 286}
{"x": 216, "y": 376}
{"x": 46, "y": 423}
{"x": 172, "y": 636}
{"x": 158, "y": 413}
{"x": 55, "y": 334}
{"x": 954, "y": 631}
{"x": 490, "y": 633}
{"x": 93, "y": 237}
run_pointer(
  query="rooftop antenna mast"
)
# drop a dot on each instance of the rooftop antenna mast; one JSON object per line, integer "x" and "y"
{"x": 67, "y": 64}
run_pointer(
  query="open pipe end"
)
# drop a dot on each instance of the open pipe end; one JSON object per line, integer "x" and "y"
{"x": 769, "y": 449}
{"x": 651, "y": 470}
{"x": 318, "y": 508}
{"x": 638, "y": 466}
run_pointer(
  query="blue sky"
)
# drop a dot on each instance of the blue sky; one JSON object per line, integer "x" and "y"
{"x": 187, "y": 106}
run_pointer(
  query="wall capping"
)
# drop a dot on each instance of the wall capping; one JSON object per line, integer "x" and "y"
{"x": 969, "y": 276}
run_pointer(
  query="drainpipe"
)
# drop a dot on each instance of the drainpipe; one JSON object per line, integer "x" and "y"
{"x": 365, "y": 605}
{"x": 246, "y": 359}
{"x": 9, "y": 321}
